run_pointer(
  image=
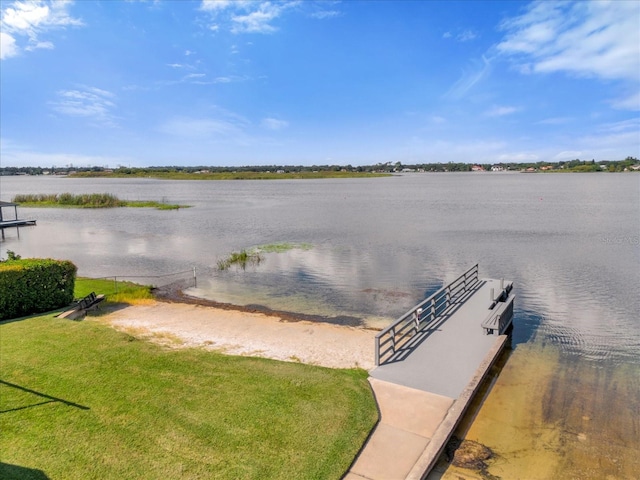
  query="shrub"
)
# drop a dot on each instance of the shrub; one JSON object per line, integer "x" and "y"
{"x": 35, "y": 285}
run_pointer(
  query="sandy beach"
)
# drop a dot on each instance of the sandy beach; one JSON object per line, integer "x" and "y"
{"x": 247, "y": 333}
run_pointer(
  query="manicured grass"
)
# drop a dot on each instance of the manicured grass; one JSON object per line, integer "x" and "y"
{"x": 119, "y": 407}
{"x": 88, "y": 200}
{"x": 116, "y": 292}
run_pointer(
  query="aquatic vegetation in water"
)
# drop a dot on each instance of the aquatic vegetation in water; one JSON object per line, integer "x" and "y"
{"x": 88, "y": 200}
{"x": 240, "y": 259}
{"x": 283, "y": 247}
{"x": 255, "y": 255}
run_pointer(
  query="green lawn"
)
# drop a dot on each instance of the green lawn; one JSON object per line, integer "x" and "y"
{"x": 79, "y": 400}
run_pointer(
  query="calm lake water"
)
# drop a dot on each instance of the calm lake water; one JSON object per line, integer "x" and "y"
{"x": 369, "y": 249}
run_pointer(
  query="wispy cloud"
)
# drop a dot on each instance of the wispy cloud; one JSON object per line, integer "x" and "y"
{"x": 589, "y": 39}
{"x": 555, "y": 121}
{"x": 274, "y": 123}
{"x": 470, "y": 77}
{"x": 464, "y": 36}
{"x": 89, "y": 102}
{"x": 24, "y": 22}
{"x": 201, "y": 128}
{"x": 501, "y": 111}
{"x": 243, "y": 16}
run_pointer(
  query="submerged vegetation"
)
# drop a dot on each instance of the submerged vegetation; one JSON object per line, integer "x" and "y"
{"x": 87, "y": 200}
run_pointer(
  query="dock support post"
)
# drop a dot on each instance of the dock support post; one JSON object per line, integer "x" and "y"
{"x": 195, "y": 280}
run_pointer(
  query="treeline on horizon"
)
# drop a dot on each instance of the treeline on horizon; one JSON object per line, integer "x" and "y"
{"x": 389, "y": 167}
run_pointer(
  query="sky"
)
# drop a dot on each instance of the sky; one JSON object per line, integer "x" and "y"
{"x": 236, "y": 83}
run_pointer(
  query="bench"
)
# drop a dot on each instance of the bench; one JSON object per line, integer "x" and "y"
{"x": 494, "y": 320}
{"x": 90, "y": 301}
{"x": 78, "y": 310}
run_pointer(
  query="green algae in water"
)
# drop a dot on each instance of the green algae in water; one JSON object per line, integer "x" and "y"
{"x": 548, "y": 416}
{"x": 281, "y": 247}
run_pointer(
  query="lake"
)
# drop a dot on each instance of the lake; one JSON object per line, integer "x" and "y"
{"x": 363, "y": 251}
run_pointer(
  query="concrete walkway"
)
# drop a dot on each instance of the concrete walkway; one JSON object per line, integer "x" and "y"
{"x": 423, "y": 397}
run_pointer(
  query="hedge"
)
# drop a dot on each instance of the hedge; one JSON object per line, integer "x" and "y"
{"x": 35, "y": 285}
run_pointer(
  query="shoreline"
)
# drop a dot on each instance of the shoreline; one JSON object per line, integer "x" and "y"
{"x": 234, "y": 331}
{"x": 174, "y": 293}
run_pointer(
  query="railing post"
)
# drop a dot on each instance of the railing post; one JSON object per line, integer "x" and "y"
{"x": 393, "y": 339}
{"x": 416, "y": 318}
{"x": 433, "y": 309}
{"x": 377, "y": 352}
{"x": 448, "y": 295}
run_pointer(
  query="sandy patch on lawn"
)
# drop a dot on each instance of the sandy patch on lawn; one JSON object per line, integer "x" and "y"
{"x": 251, "y": 334}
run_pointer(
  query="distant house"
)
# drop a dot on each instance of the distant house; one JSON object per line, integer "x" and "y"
{"x": 546, "y": 167}
{"x": 477, "y": 168}
{"x": 497, "y": 168}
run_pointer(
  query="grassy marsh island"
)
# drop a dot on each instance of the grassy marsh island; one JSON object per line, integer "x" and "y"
{"x": 88, "y": 200}
{"x": 227, "y": 175}
{"x": 83, "y": 400}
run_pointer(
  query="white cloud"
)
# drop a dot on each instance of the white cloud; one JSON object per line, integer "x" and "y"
{"x": 469, "y": 78}
{"x": 215, "y": 5}
{"x": 89, "y": 102}
{"x": 596, "y": 38}
{"x": 500, "y": 111}
{"x": 29, "y": 20}
{"x": 628, "y": 102}
{"x": 274, "y": 124}
{"x": 245, "y": 16}
{"x": 8, "y": 46}
{"x": 446, "y": 35}
{"x": 324, "y": 14}
{"x": 256, "y": 21}
{"x": 466, "y": 36}
{"x": 555, "y": 121}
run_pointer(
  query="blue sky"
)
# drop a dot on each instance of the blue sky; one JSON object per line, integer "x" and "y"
{"x": 224, "y": 82}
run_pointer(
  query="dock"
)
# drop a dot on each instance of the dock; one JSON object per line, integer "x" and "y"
{"x": 430, "y": 364}
{"x": 15, "y": 221}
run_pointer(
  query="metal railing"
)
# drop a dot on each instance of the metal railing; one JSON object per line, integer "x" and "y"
{"x": 154, "y": 278}
{"x": 391, "y": 339}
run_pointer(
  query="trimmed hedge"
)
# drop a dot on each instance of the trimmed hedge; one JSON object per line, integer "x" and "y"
{"x": 35, "y": 285}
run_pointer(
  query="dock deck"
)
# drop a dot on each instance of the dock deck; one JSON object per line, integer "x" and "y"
{"x": 439, "y": 355}
{"x": 16, "y": 223}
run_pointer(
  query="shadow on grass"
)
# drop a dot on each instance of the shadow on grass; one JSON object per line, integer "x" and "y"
{"x": 16, "y": 472}
{"x": 49, "y": 399}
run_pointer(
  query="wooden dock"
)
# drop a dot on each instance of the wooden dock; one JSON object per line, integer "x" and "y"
{"x": 15, "y": 221}
{"x": 430, "y": 364}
